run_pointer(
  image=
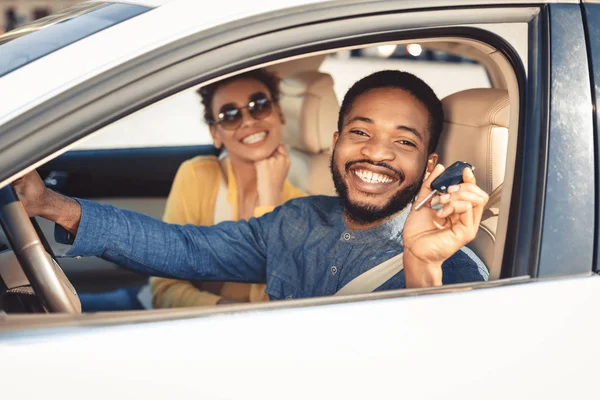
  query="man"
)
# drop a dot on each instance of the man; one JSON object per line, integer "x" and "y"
{"x": 383, "y": 156}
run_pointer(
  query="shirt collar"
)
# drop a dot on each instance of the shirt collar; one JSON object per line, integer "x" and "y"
{"x": 389, "y": 230}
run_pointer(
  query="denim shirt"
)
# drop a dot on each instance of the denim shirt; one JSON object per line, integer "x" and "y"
{"x": 301, "y": 249}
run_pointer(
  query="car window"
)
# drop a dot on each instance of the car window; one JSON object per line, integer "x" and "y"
{"x": 174, "y": 121}
{"x": 177, "y": 120}
{"x": 42, "y": 37}
{"x": 445, "y": 72}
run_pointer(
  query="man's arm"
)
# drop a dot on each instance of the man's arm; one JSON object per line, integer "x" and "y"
{"x": 230, "y": 251}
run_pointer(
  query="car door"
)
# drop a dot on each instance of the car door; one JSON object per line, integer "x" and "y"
{"x": 529, "y": 335}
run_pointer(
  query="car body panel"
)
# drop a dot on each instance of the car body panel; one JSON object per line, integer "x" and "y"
{"x": 412, "y": 347}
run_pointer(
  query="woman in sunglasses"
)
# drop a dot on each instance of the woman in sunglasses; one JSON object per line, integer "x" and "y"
{"x": 245, "y": 122}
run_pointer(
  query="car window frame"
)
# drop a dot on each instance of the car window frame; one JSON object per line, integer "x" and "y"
{"x": 591, "y": 17}
{"x": 565, "y": 85}
{"x": 228, "y": 59}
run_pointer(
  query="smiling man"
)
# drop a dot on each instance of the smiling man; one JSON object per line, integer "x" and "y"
{"x": 383, "y": 158}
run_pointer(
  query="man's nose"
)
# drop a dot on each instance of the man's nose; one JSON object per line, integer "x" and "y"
{"x": 378, "y": 150}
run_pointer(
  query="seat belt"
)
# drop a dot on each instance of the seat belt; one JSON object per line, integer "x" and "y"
{"x": 494, "y": 197}
{"x": 373, "y": 278}
{"x": 380, "y": 274}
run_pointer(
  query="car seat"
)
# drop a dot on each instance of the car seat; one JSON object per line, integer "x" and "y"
{"x": 476, "y": 131}
{"x": 310, "y": 107}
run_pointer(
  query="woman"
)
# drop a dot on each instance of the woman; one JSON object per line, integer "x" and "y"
{"x": 245, "y": 119}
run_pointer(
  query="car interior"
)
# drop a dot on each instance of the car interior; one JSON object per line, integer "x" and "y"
{"x": 481, "y": 125}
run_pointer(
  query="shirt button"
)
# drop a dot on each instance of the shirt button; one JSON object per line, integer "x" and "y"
{"x": 333, "y": 270}
{"x": 347, "y": 236}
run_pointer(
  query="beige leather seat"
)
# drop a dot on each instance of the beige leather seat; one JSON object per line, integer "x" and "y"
{"x": 311, "y": 107}
{"x": 476, "y": 131}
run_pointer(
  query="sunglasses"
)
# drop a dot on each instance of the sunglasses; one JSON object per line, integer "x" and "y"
{"x": 230, "y": 117}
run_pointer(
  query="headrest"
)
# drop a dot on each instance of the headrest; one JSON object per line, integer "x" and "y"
{"x": 311, "y": 108}
{"x": 476, "y": 131}
{"x": 478, "y": 107}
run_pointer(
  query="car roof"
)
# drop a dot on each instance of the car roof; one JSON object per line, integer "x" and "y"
{"x": 166, "y": 22}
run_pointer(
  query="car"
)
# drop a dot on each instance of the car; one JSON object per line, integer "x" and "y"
{"x": 82, "y": 90}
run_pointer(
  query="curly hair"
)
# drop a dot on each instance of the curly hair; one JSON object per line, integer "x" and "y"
{"x": 269, "y": 79}
{"x": 399, "y": 80}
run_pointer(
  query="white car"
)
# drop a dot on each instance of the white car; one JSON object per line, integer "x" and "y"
{"x": 100, "y": 99}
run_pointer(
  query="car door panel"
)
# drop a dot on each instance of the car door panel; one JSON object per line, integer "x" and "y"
{"x": 118, "y": 173}
{"x": 472, "y": 344}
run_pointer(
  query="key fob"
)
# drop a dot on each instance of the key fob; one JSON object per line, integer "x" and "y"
{"x": 451, "y": 176}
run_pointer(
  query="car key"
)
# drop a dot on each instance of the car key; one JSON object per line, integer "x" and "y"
{"x": 451, "y": 176}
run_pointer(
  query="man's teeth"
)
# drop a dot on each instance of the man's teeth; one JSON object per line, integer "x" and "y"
{"x": 372, "y": 177}
{"x": 254, "y": 138}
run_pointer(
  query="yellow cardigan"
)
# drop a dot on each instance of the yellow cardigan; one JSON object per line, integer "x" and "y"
{"x": 192, "y": 201}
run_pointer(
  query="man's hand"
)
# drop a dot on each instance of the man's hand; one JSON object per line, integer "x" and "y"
{"x": 38, "y": 200}
{"x": 32, "y": 192}
{"x": 270, "y": 176}
{"x": 430, "y": 237}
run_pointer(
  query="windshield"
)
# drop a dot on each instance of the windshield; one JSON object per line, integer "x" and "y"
{"x": 44, "y": 36}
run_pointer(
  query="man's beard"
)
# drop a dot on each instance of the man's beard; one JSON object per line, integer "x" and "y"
{"x": 362, "y": 213}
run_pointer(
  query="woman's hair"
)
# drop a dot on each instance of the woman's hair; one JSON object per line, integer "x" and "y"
{"x": 269, "y": 79}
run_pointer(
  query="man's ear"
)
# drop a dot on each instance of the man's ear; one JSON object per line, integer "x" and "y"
{"x": 336, "y": 136}
{"x": 215, "y": 136}
{"x": 432, "y": 161}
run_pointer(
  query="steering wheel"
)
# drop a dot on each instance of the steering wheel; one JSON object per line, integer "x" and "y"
{"x": 42, "y": 270}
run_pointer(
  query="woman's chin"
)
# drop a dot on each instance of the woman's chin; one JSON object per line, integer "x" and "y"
{"x": 256, "y": 153}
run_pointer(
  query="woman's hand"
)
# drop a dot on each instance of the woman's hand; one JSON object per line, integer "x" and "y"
{"x": 431, "y": 237}
{"x": 270, "y": 176}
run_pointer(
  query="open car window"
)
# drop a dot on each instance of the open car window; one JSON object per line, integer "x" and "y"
{"x": 131, "y": 162}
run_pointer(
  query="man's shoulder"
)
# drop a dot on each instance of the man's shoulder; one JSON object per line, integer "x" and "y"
{"x": 322, "y": 210}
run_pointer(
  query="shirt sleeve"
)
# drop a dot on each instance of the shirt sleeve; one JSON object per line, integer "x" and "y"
{"x": 229, "y": 251}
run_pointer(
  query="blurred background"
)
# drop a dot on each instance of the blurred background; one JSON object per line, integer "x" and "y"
{"x": 18, "y": 12}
